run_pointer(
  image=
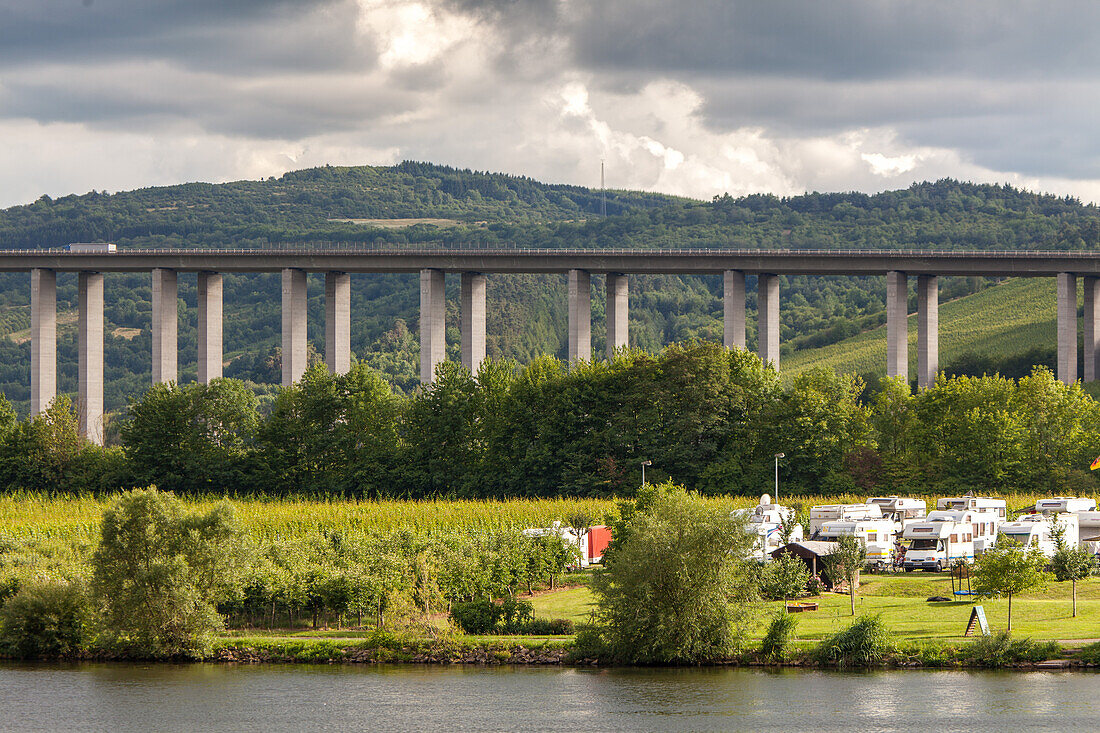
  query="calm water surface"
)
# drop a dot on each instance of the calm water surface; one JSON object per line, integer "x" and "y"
{"x": 104, "y": 697}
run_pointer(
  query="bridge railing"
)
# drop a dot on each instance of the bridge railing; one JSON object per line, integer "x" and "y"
{"x": 359, "y": 249}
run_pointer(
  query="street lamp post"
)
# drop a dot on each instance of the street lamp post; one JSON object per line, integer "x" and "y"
{"x": 644, "y": 464}
{"x": 777, "y": 457}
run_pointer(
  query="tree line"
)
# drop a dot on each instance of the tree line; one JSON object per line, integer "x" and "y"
{"x": 707, "y": 417}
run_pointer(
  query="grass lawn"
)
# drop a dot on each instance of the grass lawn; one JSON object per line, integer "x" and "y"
{"x": 571, "y": 603}
{"x": 901, "y": 601}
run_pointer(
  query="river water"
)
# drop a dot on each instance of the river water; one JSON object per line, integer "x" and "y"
{"x": 126, "y": 697}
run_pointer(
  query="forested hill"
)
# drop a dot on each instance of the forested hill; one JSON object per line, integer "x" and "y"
{"x": 420, "y": 203}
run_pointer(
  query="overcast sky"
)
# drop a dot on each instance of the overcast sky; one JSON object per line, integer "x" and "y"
{"x": 693, "y": 98}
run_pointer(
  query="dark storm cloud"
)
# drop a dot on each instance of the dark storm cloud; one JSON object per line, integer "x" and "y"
{"x": 1010, "y": 86}
{"x": 840, "y": 39}
{"x": 241, "y": 36}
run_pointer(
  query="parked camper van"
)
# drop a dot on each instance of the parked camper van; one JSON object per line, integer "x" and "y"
{"x": 1060, "y": 504}
{"x": 901, "y": 510}
{"x": 989, "y": 514}
{"x": 819, "y": 515}
{"x": 766, "y": 521}
{"x": 1088, "y": 527}
{"x": 1034, "y": 530}
{"x": 938, "y": 540}
{"x": 877, "y": 535}
{"x": 85, "y": 248}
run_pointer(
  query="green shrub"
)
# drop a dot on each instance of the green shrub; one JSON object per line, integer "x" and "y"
{"x": 778, "y": 637}
{"x": 548, "y": 627}
{"x": 1001, "y": 649}
{"x": 476, "y": 617}
{"x": 44, "y": 620}
{"x": 863, "y": 644}
{"x": 515, "y": 615}
{"x": 783, "y": 578}
{"x": 1090, "y": 654}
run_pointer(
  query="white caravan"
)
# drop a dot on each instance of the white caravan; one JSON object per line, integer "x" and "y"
{"x": 1059, "y": 504}
{"x": 568, "y": 538}
{"x": 901, "y": 509}
{"x": 877, "y": 535}
{"x": 766, "y": 521}
{"x": 938, "y": 540}
{"x": 819, "y": 515}
{"x": 1034, "y": 530}
{"x": 989, "y": 514}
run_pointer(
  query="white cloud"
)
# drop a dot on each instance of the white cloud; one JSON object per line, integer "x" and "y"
{"x": 436, "y": 81}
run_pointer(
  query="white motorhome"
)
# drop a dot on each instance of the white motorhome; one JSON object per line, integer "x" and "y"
{"x": 1088, "y": 528}
{"x": 1034, "y": 530}
{"x": 766, "y": 521}
{"x": 938, "y": 540}
{"x": 1059, "y": 504}
{"x": 901, "y": 509}
{"x": 91, "y": 248}
{"x": 989, "y": 514}
{"x": 819, "y": 515}
{"x": 877, "y": 535}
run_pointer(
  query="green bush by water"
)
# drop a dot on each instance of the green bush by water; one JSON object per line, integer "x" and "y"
{"x": 44, "y": 621}
{"x": 1000, "y": 649}
{"x": 775, "y": 643}
{"x": 863, "y": 644}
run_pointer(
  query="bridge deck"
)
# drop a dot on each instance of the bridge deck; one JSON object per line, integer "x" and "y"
{"x": 677, "y": 261}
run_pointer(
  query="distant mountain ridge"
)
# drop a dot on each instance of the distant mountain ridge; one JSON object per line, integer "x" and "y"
{"x": 526, "y": 314}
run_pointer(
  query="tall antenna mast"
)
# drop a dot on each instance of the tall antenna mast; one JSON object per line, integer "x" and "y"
{"x": 603, "y": 192}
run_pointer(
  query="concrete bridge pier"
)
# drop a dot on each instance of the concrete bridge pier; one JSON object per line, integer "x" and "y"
{"x": 338, "y": 322}
{"x": 767, "y": 308}
{"x": 928, "y": 330}
{"x": 897, "y": 325}
{"x": 90, "y": 359}
{"x": 432, "y": 327}
{"x": 1092, "y": 333}
{"x": 472, "y": 300}
{"x": 1067, "y": 327}
{"x": 210, "y": 326}
{"x": 294, "y": 325}
{"x": 616, "y": 310}
{"x": 43, "y": 339}
{"x": 733, "y": 309}
{"x": 580, "y": 315}
{"x": 165, "y": 325}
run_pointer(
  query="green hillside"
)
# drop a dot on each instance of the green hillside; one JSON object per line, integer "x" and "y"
{"x": 1005, "y": 319}
{"x": 420, "y": 204}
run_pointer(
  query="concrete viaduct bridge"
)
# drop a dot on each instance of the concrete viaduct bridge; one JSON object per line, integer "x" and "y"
{"x": 472, "y": 264}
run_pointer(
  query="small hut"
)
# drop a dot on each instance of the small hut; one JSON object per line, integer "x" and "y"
{"x": 810, "y": 552}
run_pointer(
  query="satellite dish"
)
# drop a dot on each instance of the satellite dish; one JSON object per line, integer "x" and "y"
{"x": 765, "y": 499}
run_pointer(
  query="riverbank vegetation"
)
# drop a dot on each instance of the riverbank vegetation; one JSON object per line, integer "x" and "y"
{"x": 162, "y": 577}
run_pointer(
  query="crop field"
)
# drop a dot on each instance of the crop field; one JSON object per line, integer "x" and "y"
{"x": 1003, "y": 319}
{"x": 76, "y": 519}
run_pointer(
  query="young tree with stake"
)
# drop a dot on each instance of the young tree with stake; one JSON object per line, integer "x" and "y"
{"x": 845, "y": 562}
{"x": 1008, "y": 569}
{"x": 1070, "y": 563}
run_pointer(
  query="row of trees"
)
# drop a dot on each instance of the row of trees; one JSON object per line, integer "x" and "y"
{"x": 708, "y": 417}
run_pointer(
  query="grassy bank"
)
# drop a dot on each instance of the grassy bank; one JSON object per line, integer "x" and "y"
{"x": 997, "y": 320}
